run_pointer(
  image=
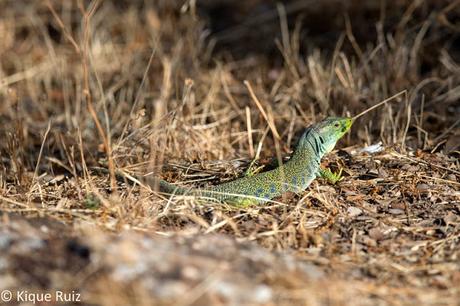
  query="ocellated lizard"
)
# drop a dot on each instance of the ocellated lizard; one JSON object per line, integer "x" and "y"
{"x": 295, "y": 175}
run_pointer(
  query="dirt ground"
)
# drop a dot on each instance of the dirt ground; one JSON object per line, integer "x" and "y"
{"x": 193, "y": 91}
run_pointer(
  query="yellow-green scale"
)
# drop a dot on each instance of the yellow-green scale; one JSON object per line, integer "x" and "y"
{"x": 295, "y": 176}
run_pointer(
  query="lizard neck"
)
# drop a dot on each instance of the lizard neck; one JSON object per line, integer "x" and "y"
{"x": 304, "y": 164}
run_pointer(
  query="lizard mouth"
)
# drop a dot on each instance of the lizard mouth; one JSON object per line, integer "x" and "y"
{"x": 348, "y": 122}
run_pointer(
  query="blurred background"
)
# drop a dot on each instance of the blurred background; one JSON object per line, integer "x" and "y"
{"x": 304, "y": 59}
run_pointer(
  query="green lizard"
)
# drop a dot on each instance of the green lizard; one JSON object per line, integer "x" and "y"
{"x": 295, "y": 175}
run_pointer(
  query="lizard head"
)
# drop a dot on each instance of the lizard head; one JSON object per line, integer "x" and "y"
{"x": 322, "y": 136}
{"x": 331, "y": 129}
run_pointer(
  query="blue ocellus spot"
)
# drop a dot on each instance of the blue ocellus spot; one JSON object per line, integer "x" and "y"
{"x": 259, "y": 192}
{"x": 267, "y": 196}
{"x": 294, "y": 181}
{"x": 272, "y": 188}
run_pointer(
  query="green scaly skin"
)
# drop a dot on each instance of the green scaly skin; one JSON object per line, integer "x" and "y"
{"x": 295, "y": 175}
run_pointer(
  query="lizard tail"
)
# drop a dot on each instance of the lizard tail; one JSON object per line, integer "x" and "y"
{"x": 171, "y": 189}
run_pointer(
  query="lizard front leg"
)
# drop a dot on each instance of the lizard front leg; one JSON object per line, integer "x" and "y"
{"x": 328, "y": 175}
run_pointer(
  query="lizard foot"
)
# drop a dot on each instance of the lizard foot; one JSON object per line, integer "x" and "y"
{"x": 253, "y": 169}
{"x": 331, "y": 177}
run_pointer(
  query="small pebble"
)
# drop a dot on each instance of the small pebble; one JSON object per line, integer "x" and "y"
{"x": 376, "y": 233}
{"x": 369, "y": 241}
{"x": 423, "y": 187}
{"x": 450, "y": 218}
{"x": 398, "y": 205}
{"x": 394, "y": 211}
{"x": 354, "y": 211}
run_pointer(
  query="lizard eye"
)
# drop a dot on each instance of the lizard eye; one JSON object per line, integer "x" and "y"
{"x": 337, "y": 125}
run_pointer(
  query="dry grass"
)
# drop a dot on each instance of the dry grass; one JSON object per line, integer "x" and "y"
{"x": 192, "y": 94}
